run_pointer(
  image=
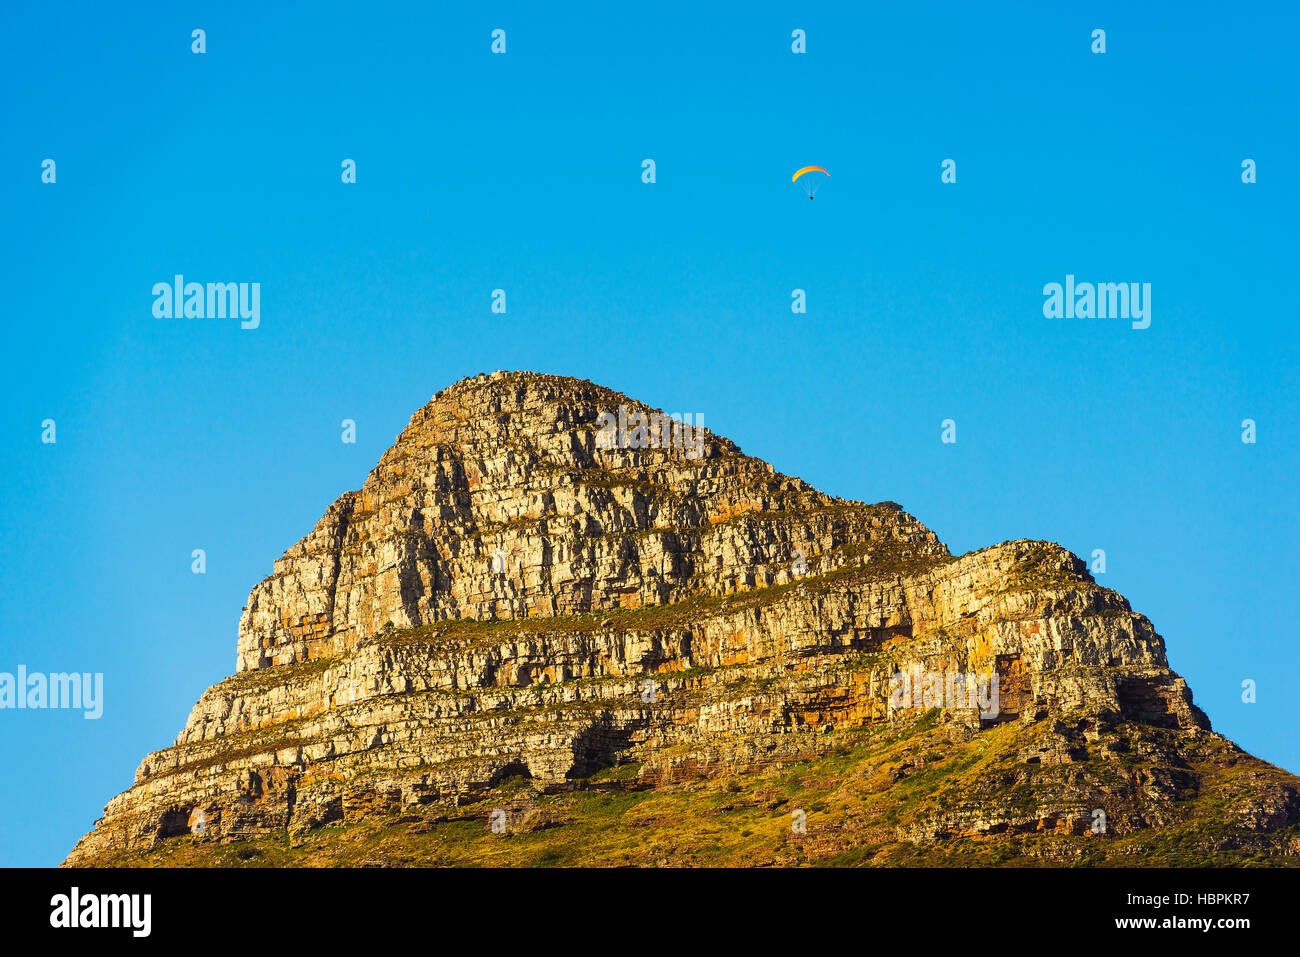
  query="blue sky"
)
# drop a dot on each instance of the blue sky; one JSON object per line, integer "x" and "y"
{"x": 522, "y": 172}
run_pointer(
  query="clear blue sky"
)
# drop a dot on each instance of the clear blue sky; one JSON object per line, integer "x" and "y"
{"x": 523, "y": 172}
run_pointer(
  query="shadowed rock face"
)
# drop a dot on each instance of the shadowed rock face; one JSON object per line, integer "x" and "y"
{"x": 506, "y": 596}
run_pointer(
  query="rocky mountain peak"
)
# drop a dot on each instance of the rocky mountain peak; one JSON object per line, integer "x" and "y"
{"x": 517, "y": 495}
{"x": 546, "y": 593}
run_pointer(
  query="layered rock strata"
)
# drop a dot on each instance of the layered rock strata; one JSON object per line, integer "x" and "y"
{"x": 508, "y": 594}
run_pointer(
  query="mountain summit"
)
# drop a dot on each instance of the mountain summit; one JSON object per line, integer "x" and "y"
{"x": 555, "y": 626}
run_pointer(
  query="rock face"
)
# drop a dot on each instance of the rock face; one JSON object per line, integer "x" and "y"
{"x": 513, "y": 594}
{"x": 498, "y": 501}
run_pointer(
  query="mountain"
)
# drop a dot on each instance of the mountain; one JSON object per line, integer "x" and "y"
{"x": 555, "y": 627}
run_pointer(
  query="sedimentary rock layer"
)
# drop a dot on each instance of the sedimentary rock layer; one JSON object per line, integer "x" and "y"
{"x": 504, "y": 596}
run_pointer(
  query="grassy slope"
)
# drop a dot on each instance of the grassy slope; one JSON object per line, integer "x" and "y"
{"x": 858, "y": 799}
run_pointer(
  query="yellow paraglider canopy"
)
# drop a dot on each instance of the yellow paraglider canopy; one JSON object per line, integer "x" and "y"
{"x": 809, "y": 179}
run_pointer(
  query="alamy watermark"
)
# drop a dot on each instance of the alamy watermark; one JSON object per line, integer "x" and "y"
{"x": 1103, "y": 300}
{"x": 633, "y": 429}
{"x": 944, "y": 689}
{"x": 75, "y": 909}
{"x": 215, "y": 300}
{"x": 37, "y": 691}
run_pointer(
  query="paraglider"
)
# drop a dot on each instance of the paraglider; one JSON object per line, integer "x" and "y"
{"x": 810, "y": 178}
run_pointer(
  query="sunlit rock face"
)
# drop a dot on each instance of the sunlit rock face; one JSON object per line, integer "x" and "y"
{"x": 512, "y": 593}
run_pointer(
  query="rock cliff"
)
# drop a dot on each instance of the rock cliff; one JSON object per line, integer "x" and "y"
{"x": 525, "y": 610}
